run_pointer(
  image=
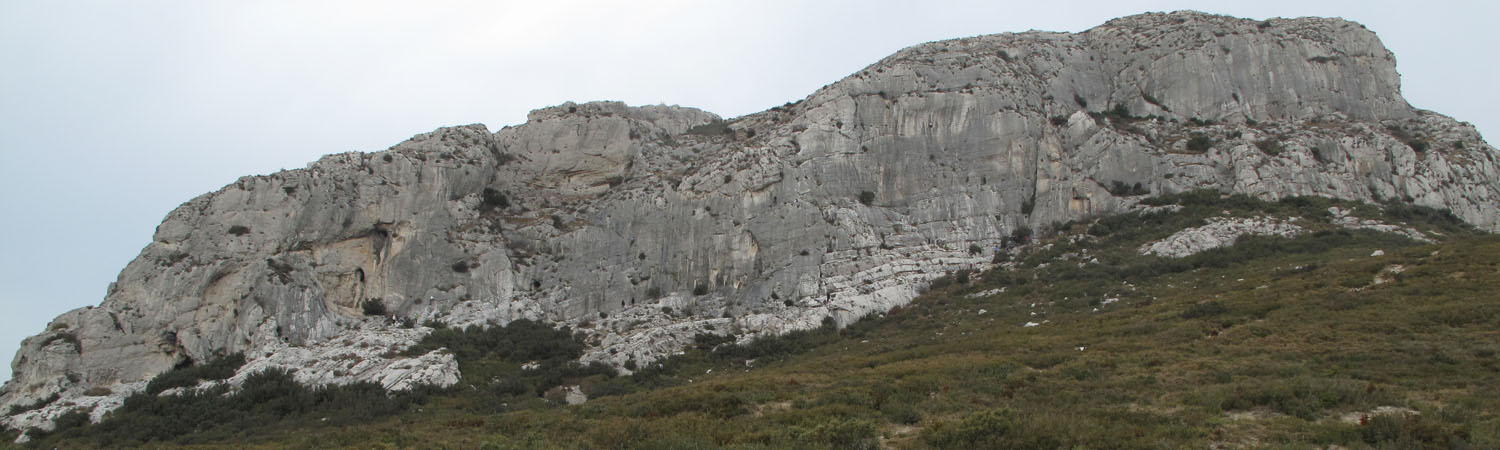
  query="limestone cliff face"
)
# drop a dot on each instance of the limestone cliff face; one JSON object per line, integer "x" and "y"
{"x": 644, "y": 230}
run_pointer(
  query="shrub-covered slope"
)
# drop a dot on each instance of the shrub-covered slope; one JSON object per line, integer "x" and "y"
{"x": 1353, "y": 337}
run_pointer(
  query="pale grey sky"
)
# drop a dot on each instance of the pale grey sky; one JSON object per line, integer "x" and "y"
{"x": 113, "y": 113}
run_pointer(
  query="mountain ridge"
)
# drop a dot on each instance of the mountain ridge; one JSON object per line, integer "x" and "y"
{"x": 836, "y": 206}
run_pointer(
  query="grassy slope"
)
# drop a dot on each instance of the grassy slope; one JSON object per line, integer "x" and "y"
{"x": 1268, "y": 344}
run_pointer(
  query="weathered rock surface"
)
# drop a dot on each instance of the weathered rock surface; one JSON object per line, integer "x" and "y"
{"x": 1341, "y": 217}
{"x": 1218, "y": 232}
{"x": 621, "y": 221}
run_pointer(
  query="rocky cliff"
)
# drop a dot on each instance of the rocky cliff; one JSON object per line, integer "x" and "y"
{"x": 647, "y": 225}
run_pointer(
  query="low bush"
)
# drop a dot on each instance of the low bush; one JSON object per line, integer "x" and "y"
{"x": 1304, "y": 397}
{"x": 777, "y": 347}
{"x": 39, "y": 404}
{"x": 1120, "y": 189}
{"x": 267, "y": 399}
{"x": 1020, "y": 235}
{"x": 375, "y": 307}
{"x": 714, "y": 128}
{"x": 1270, "y": 146}
{"x": 852, "y": 434}
{"x": 64, "y": 336}
{"x": 990, "y": 428}
{"x": 1205, "y": 309}
{"x": 707, "y": 342}
{"x": 521, "y": 340}
{"x": 1199, "y": 143}
{"x": 190, "y": 375}
{"x": 489, "y": 359}
{"x": 491, "y": 199}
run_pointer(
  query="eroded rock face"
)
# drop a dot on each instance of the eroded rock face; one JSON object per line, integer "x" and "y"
{"x": 623, "y": 222}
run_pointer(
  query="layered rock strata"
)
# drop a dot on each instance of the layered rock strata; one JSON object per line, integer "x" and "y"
{"x": 647, "y": 225}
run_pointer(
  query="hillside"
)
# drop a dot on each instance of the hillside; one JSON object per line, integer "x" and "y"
{"x": 1355, "y": 337}
{"x": 641, "y": 232}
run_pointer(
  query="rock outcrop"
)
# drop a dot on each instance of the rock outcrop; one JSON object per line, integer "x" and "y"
{"x": 1218, "y": 232}
{"x": 647, "y": 225}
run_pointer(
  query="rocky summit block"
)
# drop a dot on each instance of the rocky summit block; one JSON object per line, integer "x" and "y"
{"x": 645, "y": 226}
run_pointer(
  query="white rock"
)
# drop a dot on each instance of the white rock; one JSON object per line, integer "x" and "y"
{"x": 1219, "y": 232}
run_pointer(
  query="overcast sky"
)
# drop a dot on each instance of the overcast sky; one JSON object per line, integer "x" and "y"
{"x": 112, "y": 113}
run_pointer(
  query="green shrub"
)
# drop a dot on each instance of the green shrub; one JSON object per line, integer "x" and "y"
{"x": 852, "y": 434}
{"x": 866, "y": 197}
{"x": 1443, "y": 219}
{"x": 700, "y": 289}
{"x": 65, "y": 336}
{"x": 39, "y": 404}
{"x": 1304, "y": 398}
{"x": 489, "y": 359}
{"x": 990, "y": 428}
{"x": 903, "y": 413}
{"x": 491, "y": 199}
{"x": 64, "y": 424}
{"x": 520, "y": 340}
{"x": 1020, "y": 235}
{"x": 1269, "y": 146}
{"x": 1199, "y": 143}
{"x": 720, "y": 405}
{"x": 1120, "y": 189}
{"x": 239, "y": 230}
{"x": 1205, "y": 309}
{"x": 265, "y": 399}
{"x": 1000, "y": 257}
{"x": 189, "y": 374}
{"x": 1119, "y": 113}
{"x": 940, "y": 282}
{"x": 374, "y": 307}
{"x": 714, "y": 128}
{"x": 707, "y": 342}
{"x": 777, "y": 347}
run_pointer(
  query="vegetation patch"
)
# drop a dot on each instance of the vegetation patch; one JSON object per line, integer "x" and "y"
{"x": 714, "y": 128}
{"x": 1200, "y": 143}
{"x": 1271, "y": 342}
{"x": 375, "y": 307}
{"x": 189, "y": 375}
